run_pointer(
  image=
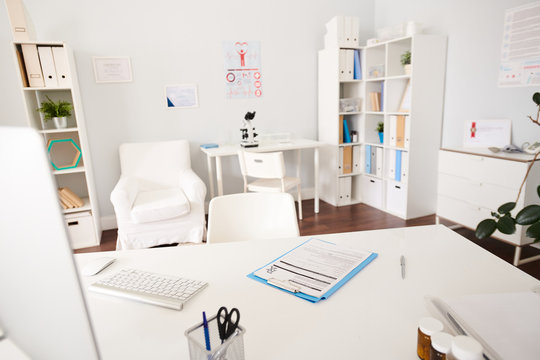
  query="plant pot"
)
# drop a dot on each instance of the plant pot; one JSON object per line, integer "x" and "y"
{"x": 60, "y": 122}
{"x": 381, "y": 137}
{"x": 408, "y": 69}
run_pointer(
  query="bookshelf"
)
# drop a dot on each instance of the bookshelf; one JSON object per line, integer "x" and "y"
{"x": 82, "y": 221}
{"x": 398, "y": 175}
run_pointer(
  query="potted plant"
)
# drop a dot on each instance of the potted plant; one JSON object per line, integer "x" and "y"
{"x": 406, "y": 62}
{"x": 58, "y": 111}
{"x": 380, "y": 130}
{"x": 503, "y": 220}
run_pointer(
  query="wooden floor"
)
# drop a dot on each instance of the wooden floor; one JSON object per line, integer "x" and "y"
{"x": 362, "y": 217}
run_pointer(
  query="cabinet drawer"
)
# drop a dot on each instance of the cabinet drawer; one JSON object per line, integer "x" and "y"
{"x": 483, "y": 169}
{"x": 396, "y": 197}
{"x": 372, "y": 191}
{"x": 470, "y": 215}
{"x": 81, "y": 231}
{"x": 475, "y": 192}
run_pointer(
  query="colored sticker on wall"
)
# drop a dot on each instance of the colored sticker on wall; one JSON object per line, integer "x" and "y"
{"x": 242, "y": 60}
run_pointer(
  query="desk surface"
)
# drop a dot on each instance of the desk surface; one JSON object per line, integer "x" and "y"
{"x": 373, "y": 316}
{"x": 232, "y": 149}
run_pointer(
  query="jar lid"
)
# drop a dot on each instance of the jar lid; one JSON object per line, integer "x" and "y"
{"x": 442, "y": 342}
{"x": 430, "y": 326}
{"x": 466, "y": 348}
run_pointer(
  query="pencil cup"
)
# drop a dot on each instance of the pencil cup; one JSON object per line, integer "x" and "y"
{"x": 231, "y": 349}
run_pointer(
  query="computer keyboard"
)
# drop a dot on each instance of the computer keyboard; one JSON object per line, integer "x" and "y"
{"x": 157, "y": 289}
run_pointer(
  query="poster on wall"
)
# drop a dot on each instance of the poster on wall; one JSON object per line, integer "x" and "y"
{"x": 520, "y": 54}
{"x": 242, "y": 69}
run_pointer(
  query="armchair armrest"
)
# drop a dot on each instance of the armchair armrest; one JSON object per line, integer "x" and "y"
{"x": 192, "y": 185}
{"x": 123, "y": 196}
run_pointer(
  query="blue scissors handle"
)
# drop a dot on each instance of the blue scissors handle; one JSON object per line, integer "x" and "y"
{"x": 226, "y": 325}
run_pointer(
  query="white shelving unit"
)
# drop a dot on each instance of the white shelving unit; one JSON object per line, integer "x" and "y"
{"x": 82, "y": 222}
{"x": 414, "y": 192}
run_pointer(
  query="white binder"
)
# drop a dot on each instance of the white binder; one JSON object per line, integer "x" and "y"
{"x": 379, "y": 165}
{"x": 356, "y": 158}
{"x": 342, "y": 65}
{"x": 340, "y": 162}
{"x": 355, "y": 24}
{"x": 33, "y": 68}
{"x": 392, "y": 164}
{"x": 404, "y": 166}
{"x": 335, "y": 31}
{"x": 348, "y": 30}
{"x": 344, "y": 190}
{"x": 407, "y": 131}
{"x": 17, "y": 19}
{"x": 62, "y": 66}
{"x": 349, "y": 65}
{"x": 47, "y": 66}
{"x": 392, "y": 130}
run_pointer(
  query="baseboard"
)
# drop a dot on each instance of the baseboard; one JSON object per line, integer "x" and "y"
{"x": 108, "y": 222}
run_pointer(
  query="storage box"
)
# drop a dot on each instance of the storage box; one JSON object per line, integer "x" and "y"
{"x": 81, "y": 229}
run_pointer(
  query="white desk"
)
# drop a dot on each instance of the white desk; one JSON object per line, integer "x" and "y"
{"x": 232, "y": 150}
{"x": 373, "y": 316}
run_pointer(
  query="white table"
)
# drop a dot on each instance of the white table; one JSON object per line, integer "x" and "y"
{"x": 373, "y": 316}
{"x": 232, "y": 150}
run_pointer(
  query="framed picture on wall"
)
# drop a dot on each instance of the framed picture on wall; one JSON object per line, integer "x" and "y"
{"x": 112, "y": 69}
{"x": 181, "y": 96}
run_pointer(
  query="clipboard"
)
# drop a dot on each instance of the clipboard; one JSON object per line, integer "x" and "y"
{"x": 307, "y": 297}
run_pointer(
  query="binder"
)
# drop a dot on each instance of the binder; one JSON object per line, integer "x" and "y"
{"x": 33, "y": 67}
{"x": 356, "y": 158}
{"x": 348, "y": 26}
{"x": 398, "y": 165}
{"x": 404, "y": 166}
{"x": 355, "y": 30}
{"x": 341, "y": 120}
{"x": 62, "y": 66}
{"x": 392, "y": 130}
{"x": 400, "y": 131}
{"x": 392, "y": 164}
{"x": 379, "y": 167}
{"x": 368, "y": 159}
{"x": 335, "y": 30}
{"x": 347, "y": 159}
{"x": 344, "y": 191}
{"x": 47, "y": 66}
{"x": 381, "y": 97}
{"x": 342, "y": 65}
{"x": 17, "y": 20}
{"x": 20, "y": 61}
{"x": 366, "y": 256}
{"x": 407, "y": 132}
{"x": 357, "y": 65}
{"x": 346, "y": 133}
{"x": 340, "y": 163}
{"x": 374, "y": 160}
{"x": 349, "y": 63}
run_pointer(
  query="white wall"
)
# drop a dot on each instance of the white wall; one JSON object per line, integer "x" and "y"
{"x": 474, "y": 30}
{"x": 175, "y": 42}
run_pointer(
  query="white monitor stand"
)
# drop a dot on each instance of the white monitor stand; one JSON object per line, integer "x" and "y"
{"x": 42, "y": 307}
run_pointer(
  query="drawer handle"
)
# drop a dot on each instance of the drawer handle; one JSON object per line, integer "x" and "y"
{"x": 71, "y": 223}
{"x": 373, "y": 181}
{"x": 398, "y": 187}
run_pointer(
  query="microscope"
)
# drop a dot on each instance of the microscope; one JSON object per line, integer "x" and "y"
{"x": 248, "y": 132}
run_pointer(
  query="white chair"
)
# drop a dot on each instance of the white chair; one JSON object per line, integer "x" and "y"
{"x": 158, "y": 199}
{"x": 251, "y": 216}
{"x": 269, "y": 168}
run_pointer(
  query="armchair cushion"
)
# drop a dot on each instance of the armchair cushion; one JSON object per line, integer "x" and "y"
{"x": 158, "y": 205}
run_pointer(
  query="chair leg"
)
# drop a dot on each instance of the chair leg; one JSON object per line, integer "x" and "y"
{"x": 299, "y": 203}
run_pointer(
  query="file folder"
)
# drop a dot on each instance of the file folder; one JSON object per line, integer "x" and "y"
{"x": 378, "y": 169}
{"x": 346, "y": 133}
{"x": 340, "y": 164}
{"x": 344, "y": 190}
{"x": 392, "y": 130}
{"x": 398, "y": 165}
{"x": 356, "y": 153}
{"x": 369, "y": 257}
{"x": 342, "y": 65}
{"x": 392, "y": 164}
{"x": 17, "y": 19}
{"x": 62, "y": 66}
{"x": 357, "y": 65}
{"x": 33, "y": 67}
{"x": 47, "y": 66}
{"x": 404, "y": 166}
{"x": 400, "y": 131}
{"x": 347, "y": 160}
{"x": 368, "y": 159}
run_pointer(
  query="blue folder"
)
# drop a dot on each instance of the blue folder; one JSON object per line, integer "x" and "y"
{"x": 357, "y": 66}
{"x": 398, "y": 165}
{"x": 346, "y": 133}
{"x": 310, "y": 298}
{"x": 368, "y": 159}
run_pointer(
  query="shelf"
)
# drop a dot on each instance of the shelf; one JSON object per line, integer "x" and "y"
{"x": 374, "y": 113}
{"x": 45, "y": 88}
{"x": 398, "y": 113}
{"x": 59, "y": 131}
{"x": 350, "y": 144}
{"x": 375, "y": 144}
{"x": 31, "y": 42}
{"x": 86, "y": 207}
{"x": 349, "y": 175}
{"x": 373, "y": 176}
{"x": 355, "y": 81}
{"x": 398, "y": 77}
{"x": 375, "y": 79}
{"x": 79, "y": 169}
{"x": 351, "y": 113}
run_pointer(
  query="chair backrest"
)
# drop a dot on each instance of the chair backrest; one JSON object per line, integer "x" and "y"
{"x": 250, "y": 216}
{"x": 157, "y": 164}
{"x": 262, "y": 165}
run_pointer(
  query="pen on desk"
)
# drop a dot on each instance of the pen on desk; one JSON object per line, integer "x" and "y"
{"x": 206, "y": 333}
{"x": 402, "y": 263}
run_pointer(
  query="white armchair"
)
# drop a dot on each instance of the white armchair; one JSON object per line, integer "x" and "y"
{"x": 158, "y": 199}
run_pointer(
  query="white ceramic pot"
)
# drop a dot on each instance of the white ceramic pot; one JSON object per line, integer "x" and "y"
{"x": 408, "y": 69}
{"x": 60, "y": 122}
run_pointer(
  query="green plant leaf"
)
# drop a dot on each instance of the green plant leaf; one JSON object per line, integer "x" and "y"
{"x": 506, "y": 225}
{"x": 536, "y": 98}
{"x": 534, "y": 231}
{"x": 506, "y": 208}
{"x": 538, "y": 190}
{"x": 528, "y": 215}
{"x": 485, "y": 228}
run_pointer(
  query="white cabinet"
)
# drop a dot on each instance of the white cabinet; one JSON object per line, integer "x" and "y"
{"x": 398, "y": 174}
{"x": 474, "y": 183}
{"x": 67, "y": 147}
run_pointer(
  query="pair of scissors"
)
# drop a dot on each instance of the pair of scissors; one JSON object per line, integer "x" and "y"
{"x": 226, "y": 325}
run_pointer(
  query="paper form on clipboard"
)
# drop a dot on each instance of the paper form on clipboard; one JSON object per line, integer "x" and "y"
{"x": 313, "y": 270}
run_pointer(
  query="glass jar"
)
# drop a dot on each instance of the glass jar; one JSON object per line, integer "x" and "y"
{"x": 466, "y": 348}
{"x": 426, "y": 327}
{"x": 441, "y": 344}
